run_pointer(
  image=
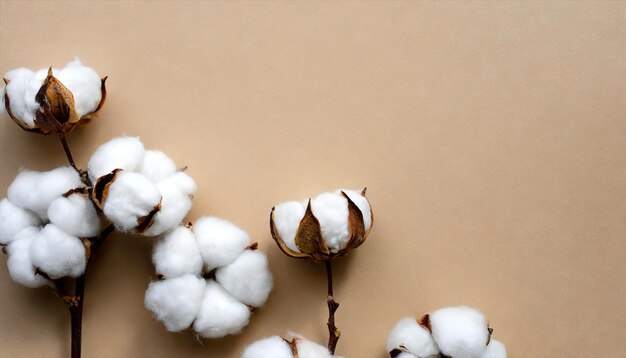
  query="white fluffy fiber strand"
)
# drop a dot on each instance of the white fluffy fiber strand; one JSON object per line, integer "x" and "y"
{"x": 176, "y": 301}
{"x": 271, "y": 347}
{"x": 415, "y": 338}
{"x": 460, "y": 331}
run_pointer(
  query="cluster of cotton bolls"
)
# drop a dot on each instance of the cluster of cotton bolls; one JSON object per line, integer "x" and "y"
{"x": 457, "y": 332}
{"x": 211, "y": 278}
{"x": 22, "y": 85}
{"x": 139, "y": 191}
{"x": 43, "y": 221}
{"x": 294, "y": 346}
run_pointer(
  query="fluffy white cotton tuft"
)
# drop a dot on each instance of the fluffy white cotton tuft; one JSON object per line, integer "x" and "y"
{"x": 309, "y": 349}
{"x": 407, "y": 355}
{"x": 287, "y": 218}
{"x": 459, "y": 331}
{"x": 75, "y": 215}
{"x": 495, "y": 349}
{"x": 84, "y": 83}
{"x": 58, "y": 253}
{"x": 415, "y": 338}
{"x": 131, "y": 196}
{"x": 176, "y": 301}
{"x": 220, "y": 241}
{"x": 183, "y": 182}
{"x": 14, "y": 219}
{"x": 220, "y": 314}
{"x": 20, "y": 266}
{"x": 157, "y": 166}
{"x": 174, "y": 207}
{"x": 177, "y": 253}
{"x": 35, "y": 191}
{"x": 119, "y": 153}
{"x": 19, "y": 80}
{"x": 248, "y": 278}
{"x": 331, "y": 210}
{"x": 362, "y": 203}
{"x": 272, "y": 347}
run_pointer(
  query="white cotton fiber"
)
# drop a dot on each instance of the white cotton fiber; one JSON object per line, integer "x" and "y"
{"x": 287, "y": 217}
{"x": 182, "y": 181}
{"x": 84, "y": 83}
{"x": 20, "y": 265}
{"x": 75, "y": 215}
{"x": 19, "y": 80}
{"x": 248, "y": 278}
{"x": 331, "y": 210}
{"x": 130, "y": 197}
{"x": 175, "y": 301}
{"x": 174, "y": 207}
{"x": 415, "y": 338}
{"x": 459, "y": 331}
{"x": 495, "y": 349}
{"x": 309, "y": 349}
{"x": 272, "y": 347}
{"x": 177, "y": 253}
{"x": 361, "y": 202}
{"x": 58, "y": 253}
{"x": 220, "y": 241}
{"x": 220, "y": 314}
{"x": 14, "y": 219}
{"x": 119, "y": 153}
{"x": 157, "y": 166}
{"x": 408, "y": 355}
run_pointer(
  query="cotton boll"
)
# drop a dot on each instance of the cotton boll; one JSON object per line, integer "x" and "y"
{"x": 20, "y": 266}
{"x": 157, "y": 166}
{"x": 460, "y": 331}
{"x": 84, "y": 83}
{"x": 183, "y": 182}
{"x": 272, "y": 347}
{"x": 495, "y": 349}
{"x": 75, "y": 215}
{"x": 310, "y": 349}
{"x": 130, "y": 197}
{"x": 58, "y": 253}
{"x": 331, "y": 210}
{"x": 125, "y": 153}
{"x": 177, "y": 253}
{"x": 220, "y": 241}
{"x": 19, "y": 80}
{"x": 174, "y": 207}
{"x": 175, "y": 301}
{"x": 415, "y": 338}
{"x": 23, "y": 190}
{"x": 363, "y": 204}
{"x": 220, "y": 314}
{"x": 14, "y": 219}
{"x": 287, "y": 218}
{"x": 248, "y": 278}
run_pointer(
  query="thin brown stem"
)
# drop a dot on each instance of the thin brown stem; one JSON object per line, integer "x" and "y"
{"x": 68, "y": 152}
{"x": 333, "y": 332}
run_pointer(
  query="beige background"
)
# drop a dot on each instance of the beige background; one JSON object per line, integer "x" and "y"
{"x": 491, "y": 136}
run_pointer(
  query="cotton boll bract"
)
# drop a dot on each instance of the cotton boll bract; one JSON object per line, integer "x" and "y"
{"x": 177, "y": 253}
{"x": 359, "y": 199}
{"x": 14, "y": 219}
{"x": 415, "y": 338}
{"x": 125, "y": 153}
{"x": 157, "y": 166}
{"x": 176, "y": 301}
{"x": 75, "y": 215}
{"x": 220, "y": 241}
{"x": 58, "y": 253}
{"x": 248, "y": 278}
{"x": 21, "y": 268}
{"x": 174, "y": 207}
{"x": 271, "y": 347}
{"x": 495, "y": 349}
{"x": 460, "y": 331}
{"x": 220, "y": 314}
{"x": 331, "y": 210}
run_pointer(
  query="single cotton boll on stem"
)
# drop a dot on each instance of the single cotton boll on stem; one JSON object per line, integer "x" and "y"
{"x": 75, "y": 215}
{"x": 220, "y": 313}
{"x": 14, "y": 219}
{"x": 460, "y": 331}
{"x": 495, "y": 349}
{"x": 248, "y": 278}
{"x": 125, "y": 153}
{"x": 58, "y": 253}
{"x": 157, "y": 166}
{"x": 272, "y": 347}
{"x": 287, "y": 217}
{"x": 220, "y": 241}
{"x": 176, "y": 301}
{"x": 84, "y": 83}
{"x": 21, "y": 268}
{"x": 174, "y": 207}
{"x": 415, "y": 338}
{"x": 363, "y": 204}
{"x": 331, "y": 210}
{"x": 177, "y": 253}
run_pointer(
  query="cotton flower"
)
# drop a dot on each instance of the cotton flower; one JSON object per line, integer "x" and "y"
{"x": 139, "y": 190}
{"x": 321, "y": 228}
{"x": 234, "y": 278}
{"x": 291, "y": 347}
{"x": 53, "y": 100}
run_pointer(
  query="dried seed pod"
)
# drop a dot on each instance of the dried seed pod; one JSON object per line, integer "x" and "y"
{"x": 327, "y": 226}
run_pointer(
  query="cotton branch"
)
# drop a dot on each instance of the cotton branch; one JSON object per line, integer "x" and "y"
{"x": 333, "y": 332}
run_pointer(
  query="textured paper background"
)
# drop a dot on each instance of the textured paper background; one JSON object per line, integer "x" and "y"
{"x": 491, "y": 136}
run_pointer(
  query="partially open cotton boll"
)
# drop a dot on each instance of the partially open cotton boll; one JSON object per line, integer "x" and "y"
{"x": 177, "y": 253}
{"x": 271, "y": 347}
{"x": 460, "y": 331}
{"x": 21, "y": 268}
{"x": 331, "y": 210}
{"x": 359, "y": 199}
{"x": 58, "y": 253}
{"x": 248, "y": 278}
{"x": 19, "y": 80}
{"x": 157, "y": 166}
{"x": 14, "y": 219}
{"x": 125, "y": 153}
{"x": 220, "y": 314}
{"x": 130, "y": 200}
{"x": 220, "y": 241}
{"x": 175, "y": 301}
{"x": 75, "y": 215}
{"x": 182, "y": 181}
{"x": 174, "y": 207}
{"x": 287, "y": 218}
{"x": 84, "y": 83}
{"x": 495, "y": 349}
{"x": 413, "y": 337}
